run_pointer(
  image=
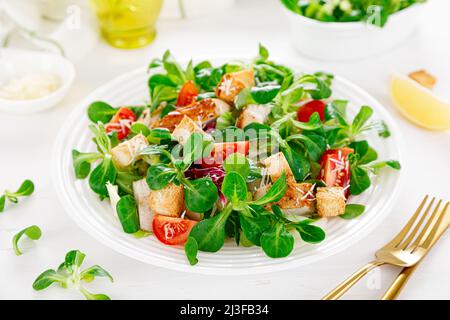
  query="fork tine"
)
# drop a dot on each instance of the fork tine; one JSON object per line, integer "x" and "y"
{"x": 431, "y": 223}
{"x": 403, "y": 233}
{"x": 404, "y": 244}
{"x": 427, "y": 241}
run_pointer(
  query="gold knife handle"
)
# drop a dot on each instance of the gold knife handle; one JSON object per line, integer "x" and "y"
{"x": 398, "y": 284}
{"x": 350, "y": 282}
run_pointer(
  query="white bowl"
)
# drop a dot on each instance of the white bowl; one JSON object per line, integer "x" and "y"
{"x": 350, "y": 40}
{"x": 15, "y": 62}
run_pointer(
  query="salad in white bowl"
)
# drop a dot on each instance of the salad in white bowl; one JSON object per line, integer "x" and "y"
{"x": 353, "y": 29}
{"x": 250, "y": 151}
{"x": 375, "y": 12}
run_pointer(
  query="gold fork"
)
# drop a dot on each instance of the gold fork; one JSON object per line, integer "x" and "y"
{"x": 401, "y": 280}
{"x": 405, "y": 250}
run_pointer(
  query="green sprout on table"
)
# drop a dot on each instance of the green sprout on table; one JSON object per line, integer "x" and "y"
{"x": 69, "y": 273}
{"x": 25, "y": 189}
{"x": 32, "y": 232}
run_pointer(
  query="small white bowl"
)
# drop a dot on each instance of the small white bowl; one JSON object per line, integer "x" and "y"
{"x": 337, "y": 41}
{"x": 14, "y": 62}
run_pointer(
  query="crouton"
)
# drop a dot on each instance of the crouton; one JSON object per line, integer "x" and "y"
{"x": 297, "y": 195}
{"x": 232, "y": 83}
{"x": 126, "y": 152}
{"x": 424, "y": 78}
{"x": 168, "y": 201}
{"x": 253, "y": 113}
{"x": 247, "y": 77}
{"x": 330, "y": 201}
{"x": 187, "y": 127}
{"x": 298, "y": 199}
{"x": 277, "y": 164}
{"x": 201, "y": 112}
{"x": 141, "y": 193}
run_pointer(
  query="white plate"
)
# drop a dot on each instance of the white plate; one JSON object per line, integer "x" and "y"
{"x": 97, "y": 219}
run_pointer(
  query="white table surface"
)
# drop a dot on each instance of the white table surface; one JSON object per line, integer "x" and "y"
{"x": 26, "y": 145}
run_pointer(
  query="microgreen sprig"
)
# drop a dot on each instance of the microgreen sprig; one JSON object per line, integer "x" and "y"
{"x": 25, "y": 189}
{"x": 32, "y": 232}
{"x": 362, "y": 163}
{"x": 82, "y": 161}
{"x": 295, "y": 147}
{"x": 209, "y": 235}
{"x": 69, "y": 273}
{"x": 343, "y": 131}
{"x": 277, "y": 242}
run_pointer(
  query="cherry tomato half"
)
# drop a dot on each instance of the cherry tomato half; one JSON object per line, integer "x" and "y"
{"x": 335, "y": 168}
{"x": 307, "y": 110}
{"x": 188, "y": 94}
{"x": 172, "y": 230}
{"x": 222, "y": 150}
{"x": 121, "y": 123}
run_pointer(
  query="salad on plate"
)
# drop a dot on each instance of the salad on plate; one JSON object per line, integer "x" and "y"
{"x": 252, "y": 151}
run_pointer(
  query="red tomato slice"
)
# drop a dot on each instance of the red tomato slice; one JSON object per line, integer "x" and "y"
{"x": 188, "y": 94}
{"x": 222, "y": 150}
{"x": 335, "y": 168}
{"x": 121, "y": 123}
{"x": 171, "y": 230}
{"x": 307, "y": 110}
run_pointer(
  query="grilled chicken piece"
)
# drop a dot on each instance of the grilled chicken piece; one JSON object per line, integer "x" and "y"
{"x": 277, "y": 164}
{"x": 113, "y": 194}
{"x": 261, "y": 191}
{"x": 232, "y": 83}
{"x": 202, "y": 112}
{"x": 221, "y": 106}
{"x": 126, "y": 152}
{"x": 194, "y": 215}
{"x": 187, "y": 127}
{"x": 141, "y": 193}
{"x": 330, "y": 201}
{"x": 253, "y": 113}
{"x": 168, "y": 201}
{"x": 145, "y": 118}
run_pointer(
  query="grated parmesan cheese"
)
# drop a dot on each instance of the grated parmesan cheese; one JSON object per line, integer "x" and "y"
{"x": 30, "y": 86}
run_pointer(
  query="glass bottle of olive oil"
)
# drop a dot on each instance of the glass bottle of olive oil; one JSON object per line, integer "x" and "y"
{"x": 127, "y": 24}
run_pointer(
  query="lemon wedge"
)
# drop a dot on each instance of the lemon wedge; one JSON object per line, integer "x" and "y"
{"x": 419, "y": 104}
